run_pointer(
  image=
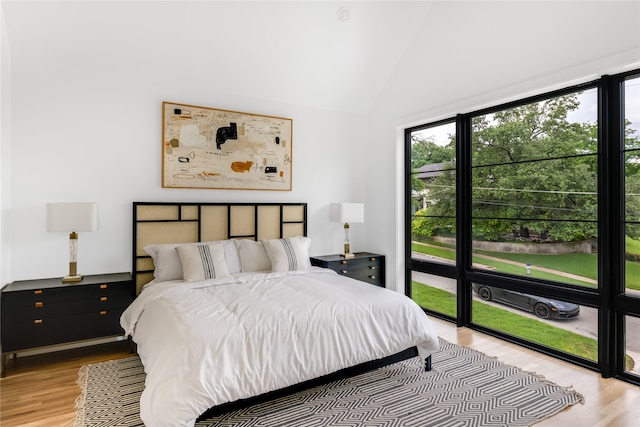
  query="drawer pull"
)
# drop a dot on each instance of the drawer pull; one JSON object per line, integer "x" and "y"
{"x": 373, "y": 267}
{"x": 39, "y": 304}
{"x": 103, "y": 312}
{"x": 37, "y": 292}
{"x": 372, "y": 277}
{"x": 37, "y": 321}
{"x": 372, "y": 259}
{"x": 103, "y": 286}
{"x": 343, "y": 262}
{"x": 103, "y": 298}
{"x": 343, "y": 271}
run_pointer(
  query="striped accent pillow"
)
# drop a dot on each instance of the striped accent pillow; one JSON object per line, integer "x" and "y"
{"x": 202, "y": 262}
{"x": 291, "y": 253}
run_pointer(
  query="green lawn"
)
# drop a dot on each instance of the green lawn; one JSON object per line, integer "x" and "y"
{"x": 632, "y": 246}
{"x": 580, "y": 264}
{"x": 510, "y": 323}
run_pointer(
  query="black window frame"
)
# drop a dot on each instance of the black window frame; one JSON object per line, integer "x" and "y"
{"x": 609, "y": 297}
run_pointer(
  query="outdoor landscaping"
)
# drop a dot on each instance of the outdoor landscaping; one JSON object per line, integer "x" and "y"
{"x": 511, "y": 323}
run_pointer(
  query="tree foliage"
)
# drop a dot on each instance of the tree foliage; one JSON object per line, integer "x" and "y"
{"x": 534, "y": 172}
{"x": 425, "y": 151}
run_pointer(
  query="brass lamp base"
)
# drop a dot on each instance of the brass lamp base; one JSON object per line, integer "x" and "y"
{"x": 73, "y": 275}
{"x": 347, "y": 247}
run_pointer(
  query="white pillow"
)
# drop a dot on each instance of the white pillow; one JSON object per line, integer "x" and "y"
{"x": 252, "y": 256}
{"x": 288, "y": 254}
{"x": 203, "y": 261}
{"x": 167, "y": 262}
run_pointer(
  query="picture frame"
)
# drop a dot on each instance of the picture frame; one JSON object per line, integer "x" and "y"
{"x": 210, "y": 148}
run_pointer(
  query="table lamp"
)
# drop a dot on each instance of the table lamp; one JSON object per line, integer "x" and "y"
{"x": 72, "y": 218}
{"x": 346, "y": 213}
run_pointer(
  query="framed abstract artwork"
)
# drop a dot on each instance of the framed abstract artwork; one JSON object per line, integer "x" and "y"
{"x": 219, "y": 149}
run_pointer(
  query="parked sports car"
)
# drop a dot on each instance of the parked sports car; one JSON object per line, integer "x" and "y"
{"x": 544, "y": 308}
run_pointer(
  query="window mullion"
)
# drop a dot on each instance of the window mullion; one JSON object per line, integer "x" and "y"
{"x": 463, "y": 217}
{"x": 610, "y": 224}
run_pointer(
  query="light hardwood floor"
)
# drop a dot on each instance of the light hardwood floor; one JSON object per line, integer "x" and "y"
{"x": 41, "y": 390}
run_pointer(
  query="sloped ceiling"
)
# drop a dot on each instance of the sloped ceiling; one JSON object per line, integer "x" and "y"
{"x": 293, "y": 52}
{"x": 472, "y": 54}
{"x": 411, "y": 55}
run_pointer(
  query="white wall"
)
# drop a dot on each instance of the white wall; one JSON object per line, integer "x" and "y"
{"x": 5, "y": 147}
{"x": 69, "y": 147}
{"x": 82, "y": 132}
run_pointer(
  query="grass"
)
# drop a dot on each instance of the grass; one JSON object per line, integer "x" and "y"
{"x": 632, "y": 246}
{"x": 580, "y": 264}
{"x": 511, "y": 323}
{"x": 434, "y": 299}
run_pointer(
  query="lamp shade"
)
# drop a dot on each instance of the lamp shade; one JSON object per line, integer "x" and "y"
{"x": 68, "y": 217}
{"x": 346, "y": 212}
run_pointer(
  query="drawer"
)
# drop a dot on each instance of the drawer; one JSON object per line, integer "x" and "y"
{"x": 69, "y": 293}
{"x": 365, "y": 275}
{"x": 24, "y": 334}
{"x": 27, "y": 305}
{"x": 352, "y": 265}
{"x": 365, "y": 266}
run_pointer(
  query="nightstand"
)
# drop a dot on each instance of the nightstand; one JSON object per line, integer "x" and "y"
{"x": 47, "y": 312}
{"x": 363, "y": 266}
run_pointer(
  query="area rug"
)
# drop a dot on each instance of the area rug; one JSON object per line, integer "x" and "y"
{"x": 465, "y": 388}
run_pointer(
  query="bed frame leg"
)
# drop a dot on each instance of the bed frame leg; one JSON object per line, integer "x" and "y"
{"x": 427, "y": 364}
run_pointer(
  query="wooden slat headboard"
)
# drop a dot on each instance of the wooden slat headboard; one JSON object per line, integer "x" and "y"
{"x": 166, "y": 222}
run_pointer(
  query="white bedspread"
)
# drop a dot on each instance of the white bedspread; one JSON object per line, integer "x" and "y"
{"x": 207, "y": 343}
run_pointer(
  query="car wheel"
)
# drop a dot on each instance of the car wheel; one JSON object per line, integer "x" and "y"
{"x": 542, "y": 310}
{"x": 484, "y": 293}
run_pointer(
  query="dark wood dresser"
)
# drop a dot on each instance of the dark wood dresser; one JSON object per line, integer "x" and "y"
{"x": 364, "y": 266}
{"x": 46, "y": 312}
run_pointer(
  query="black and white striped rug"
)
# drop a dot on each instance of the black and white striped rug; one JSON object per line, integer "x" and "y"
{"x": 465, "y": 388}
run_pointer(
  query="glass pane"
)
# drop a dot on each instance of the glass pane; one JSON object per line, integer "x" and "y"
{"x": 556, "y": 324}
{"x": 433, "y": 189}
{"x": 534, "y": 189}
{"x": 632, "y": 113}
{"x": 632, "y": 184}
{"x": 553, "y": 128}
{"x": 436, "y": 293}
{"x": 632, "y": 340}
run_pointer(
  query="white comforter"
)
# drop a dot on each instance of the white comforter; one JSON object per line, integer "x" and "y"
{"x": 207, "y": 343}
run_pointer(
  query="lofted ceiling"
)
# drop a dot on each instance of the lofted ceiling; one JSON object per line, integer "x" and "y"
{"x": 419, "y": 54}
{"x": 329, "y": 55}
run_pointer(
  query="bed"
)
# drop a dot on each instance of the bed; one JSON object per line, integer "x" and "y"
{"x": 230, "y": 309}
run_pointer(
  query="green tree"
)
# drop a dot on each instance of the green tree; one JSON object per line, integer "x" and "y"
{"x": 533, "y": 170}
{"x": 425, "y": 151}
{"x": 526, "y": 174}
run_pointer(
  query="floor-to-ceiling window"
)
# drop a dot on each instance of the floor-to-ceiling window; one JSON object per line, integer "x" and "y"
{"x": 631, "y": 156}
{"x": 515, "y": 222}
{"x": 433, "y": 212}
{"x": 534, "y": 182}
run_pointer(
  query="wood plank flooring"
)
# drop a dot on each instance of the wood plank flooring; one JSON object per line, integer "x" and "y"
{"x": 41, "y": 390}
